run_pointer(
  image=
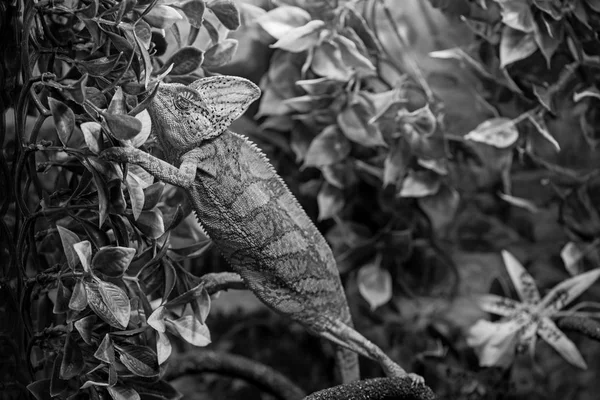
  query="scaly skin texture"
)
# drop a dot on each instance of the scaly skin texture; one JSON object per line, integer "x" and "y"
{"x": 249, "y": 212}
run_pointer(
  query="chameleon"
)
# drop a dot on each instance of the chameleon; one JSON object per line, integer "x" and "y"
{"x": 249, "y": 213}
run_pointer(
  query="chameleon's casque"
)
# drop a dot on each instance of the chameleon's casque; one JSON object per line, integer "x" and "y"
{"x": 248, "y": 211}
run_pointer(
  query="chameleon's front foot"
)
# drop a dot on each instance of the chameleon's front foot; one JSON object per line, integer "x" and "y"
{"x": 115, "y": 154}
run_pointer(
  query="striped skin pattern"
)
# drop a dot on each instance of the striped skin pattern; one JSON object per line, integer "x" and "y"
{"x": 249, "y": 213}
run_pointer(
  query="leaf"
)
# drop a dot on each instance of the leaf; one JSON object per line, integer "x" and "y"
{"x": 163, "y": 347}
{"x": 77, "y": 90}
{"x": 120, "y": 392}
{"x": 494, "y": 343}
{"x": 157, "y": 319}
{"x": 117, "y": 104}
{"x": 68, "y": 240}
{"x": 85, "y": 326}
{"x": 330, "y": 200}
{"x": 57, "y": 385}
{"x": 151, "y": 223}
{"x": 105, "y": 351}
{"x": 396, "y": 162}
{"x": 420, "y": 184}
{"x": 78, "y": 301}
{"x": 353, "y": 121}
{"x": 341, "y": 175}
{"x": 515, "y": 45}
{"x": 221, "y": 53}
{"x": 422, "y": 120}
{"x": 302, "y": 38}
{"x": 522, "y": 281}
{"x": 327, "y": 62}
{"x": 144, "y": 133}
{"x": 572, "y": 255}
{"x": 162, "y": 16}
{"x": 84, "y": 252}
{"x": 123, "y": 127}
{"x": 136, "y": 194}
{"x": 139, "y": 359}
{"x": 561, "y": 343}
{"x": 40, "y": 389}
{"x": 278, "y": 21}
{"x": 498, "y": 305}
{"x": 440, "y": 208}
{"x": 152, "y": 195}
{"x": 113, "y": 260}
{"x": 64, "y": 119}
{"x": 117, "y": 312}
{"x": 567, "y": 291}
{"x": 537, "y": 120}
{"x": 194, "y": 11}
{"x": 498, "y": 132}
{"x": 353, "y": 58}
{"x": 72, "y": 362}
{"x": 374, "y": 284}
{"x": 517, "y": 14}
{"x": 227, "y": 13}
{"x": 61, "y": 301}
{"x": 191, "y": 330}
{"x": 329, "y": 147}
{"x": 92, "y": 135}
{"x": 185, "y": 61}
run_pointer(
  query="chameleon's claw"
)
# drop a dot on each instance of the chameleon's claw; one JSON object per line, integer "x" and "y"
{"x": 417, "y": 380}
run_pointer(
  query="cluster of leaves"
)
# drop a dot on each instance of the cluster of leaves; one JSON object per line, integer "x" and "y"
{"x": 376, "y": 139}
{"x": 94, "y": 239}
{"x": 372, "y": 141}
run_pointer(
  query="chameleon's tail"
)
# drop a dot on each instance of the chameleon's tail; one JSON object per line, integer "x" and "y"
{"x": 347, "y": 363}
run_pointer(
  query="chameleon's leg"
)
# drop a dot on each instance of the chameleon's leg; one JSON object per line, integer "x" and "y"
{"x": 347, "y": 337}
{"x": 182, "y": 176}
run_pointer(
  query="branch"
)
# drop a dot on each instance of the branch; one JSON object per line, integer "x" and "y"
{"x": 375, "y": 389}
{"x": 218, "y": 281}
{"x": 261, "y": 375}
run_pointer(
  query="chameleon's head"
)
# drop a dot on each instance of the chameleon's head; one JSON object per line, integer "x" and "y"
{"x": 187, "y": 115}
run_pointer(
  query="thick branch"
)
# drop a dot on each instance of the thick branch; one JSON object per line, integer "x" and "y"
{"x": 261, "y": 375}
{"x": 375, "y": 389}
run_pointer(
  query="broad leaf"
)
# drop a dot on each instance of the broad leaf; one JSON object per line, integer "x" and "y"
{"x": 220, "y": 53}
{"x": 329, "y": 147}
{"x": 301, "y": 38}
{"x": 134, "y": 186}
{"x": 227, "y": 13}
{"x": 72, "y": 362}
{"x": 123, "y": 127}
{"x": 494, "y": 343}
{"x": 498, "y": 305}
{"x": 163, "y": 347}
{"x": 138, "y": 359}
{"x": 523, "y": 282}
{"x": 151, "y": 223}
{"x": 194, "y": 11}
{"x": 568, "y": 290}
{"x": 515, "y": 46}
{"x": 354, "y": 123}
{"x": 374, "y": 284}
{"x": 115, "y": 310}
{"x": 420, "y": 184}
{"x": 330, "y": 200}
{"x": 191, "y": 330}
{"x": 68, "y": 240}
{"x": 92, "y": 136}
{"x": 64, "y": 119}
{"x": 278, "y": 21}
{"x": 85, "y": 327}
{"x": 78, "y": 301}
{"x": 560, "y": 342}
{"x": 84, "y": 252}
{"x": 105, "y": 351}
{"x": 157, "y": 319}
{"x": 113, "y": 261}
{"x": 120, "y": 392}
{"x": 162, "y": 16}
{"x": 184, "y": 61}
{"x": 498, "y": 132}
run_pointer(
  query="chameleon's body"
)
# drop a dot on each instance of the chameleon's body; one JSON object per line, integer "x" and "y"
{"x": 248, "y": 211}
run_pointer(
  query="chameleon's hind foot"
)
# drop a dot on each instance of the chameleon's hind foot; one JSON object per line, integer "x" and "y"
{"x": 417, "y": 380}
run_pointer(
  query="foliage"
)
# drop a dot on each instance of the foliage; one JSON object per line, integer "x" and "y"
{"x": 104, "y": 271}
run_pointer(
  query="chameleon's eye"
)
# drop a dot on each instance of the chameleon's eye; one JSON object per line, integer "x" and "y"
{"x": 186, "y": 99}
